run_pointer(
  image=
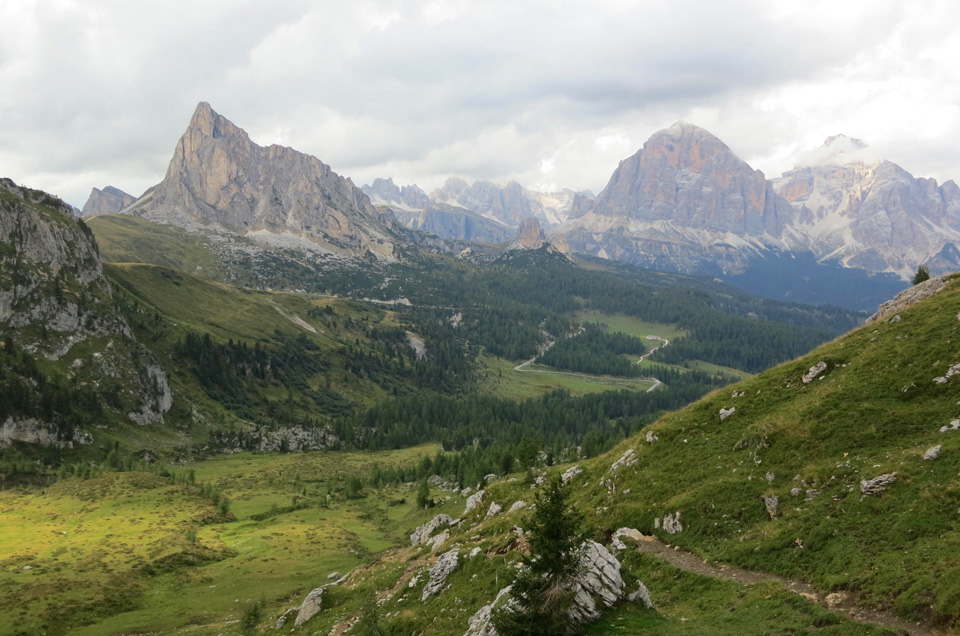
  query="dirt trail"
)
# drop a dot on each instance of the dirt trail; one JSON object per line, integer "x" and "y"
{"x": 692, "y": 563}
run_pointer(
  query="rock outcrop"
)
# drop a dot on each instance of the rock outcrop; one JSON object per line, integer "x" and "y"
{"x": 110, "y": 200}
{"x": 877, "y": 485}
{"x": 423, "y": 533}
{"x": 908, "y": 297}
{"x": 530, "y": 235}
{"x": 814, "y": 372}
{"x": 311, "y": 605}
{"x": 446, "y": 565}
{"x": 219, "y": 176}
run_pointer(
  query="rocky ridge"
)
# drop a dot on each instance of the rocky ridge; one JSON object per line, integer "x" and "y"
{"x": 110, "y": 200}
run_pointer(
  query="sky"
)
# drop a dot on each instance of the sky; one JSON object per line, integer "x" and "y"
{"x": 549, "y": 93}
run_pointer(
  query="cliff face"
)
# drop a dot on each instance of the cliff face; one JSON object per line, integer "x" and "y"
{"x": 54, "y": 297}
{"x": 218, "y": 175}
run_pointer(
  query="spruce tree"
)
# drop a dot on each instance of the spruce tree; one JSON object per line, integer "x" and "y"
{"x": 923, "y": 273}
{"x": 542, "y": 592}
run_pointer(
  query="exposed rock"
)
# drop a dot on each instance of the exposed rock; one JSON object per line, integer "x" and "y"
{"x": 480, "y": 623}
{"x": 770, "y": 503}
{"x": 334, "y": 575}
{"x": 298, "y": 439}
{"x": 725, "y": 413}
{"x": 310, "y": 606}
{"x": 952, "y": 371}
{"x": 494, "y": 509}
{"x": 439, "y": 540}
{"x": 290, "y": 613}
{"x": 110, "y": 200}
{"x": 629, "y": 458}
{"x": 444, "y": 567}
{"x": 517, "y": 505}
{"x": 932, "y": 453}
{"x": 641, "y": 594}
{"x": 770, "y": 477}
{"x": 600, "y": 579}
{"x": 814, "y": 371}
{"x": 953, "y": 426}
{"x": 219, "y": 176}
{"x": 475, "y": 552}
{"x": 570, "y": 473}
{"x": 652, "y": 437}
{"x": 877, "y": 485}
{"x": 473, "y": 501}
{"x": 422, "y": 533}
{"x": 633, "y": 534}
{"x": 671, "y": 523}
{"x": 795, "y": 492}
{"x": 908, "y": 297}
{"x": 529, "y": 235}
{"x": 835, "y": 599}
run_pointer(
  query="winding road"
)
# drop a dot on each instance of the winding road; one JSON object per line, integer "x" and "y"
{"x": 656, "y": 382}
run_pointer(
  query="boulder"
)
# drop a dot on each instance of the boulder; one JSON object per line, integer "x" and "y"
{"x": 473, "y": 501}
{"x": 625, "y": 533}
{"x": 725, "y": 413}
{"x": 517, "y": 505}
{"x": 479, "y": 623}
{"x": 770, "y": 503}
{"x": 422, "y": 533}
{"x": 494, "y": 509}
{"x": 652, "y": 437}
{"x": 953, "y": 426}
{"x": 445, "y": 566}
{"x": 570, "y": 473}
{"x": 814, "y": 371}
{"x": 953, "y": 370}
{"x": 877, "y": 485}
{"x": 439, "y": 540}
{"x": 932, "y": 453}
{"x": 285, "y": 617}
{"x": 310, "y": 606}
{"x": 671, "y": 523}
{"x": 600, "y": 580}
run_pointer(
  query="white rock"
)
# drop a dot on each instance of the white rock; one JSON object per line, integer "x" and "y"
{"x": 725, "y": 413}
{"x": 422, "y": 533}
{"x": 814, "y": 371}
{"x": 652, "y": 437}
{"x": 629, "y": 458}
{"x": 629, "y": 533}
{"x": 473, "y": 501}
{"x": 494, "y": 509}
{"x": 570, "y": 473}
{"x": 444, "y": 567}
{"x": 518, "y": 505}
{"x": 877, "y": 485}
{"x": 932, "y": 453}
{"x": 671, "y": 523}
{"x": 310, "y": 606}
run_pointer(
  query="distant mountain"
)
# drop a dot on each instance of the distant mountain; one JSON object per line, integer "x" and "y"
{"x": 457, "y": 223}
{"x": 872, "y": 214}
{"x": 684, "y": 202}
{"x": 273, "y": 194}
{"x": 408, "y": 198}
{"x": 110, "y": 200}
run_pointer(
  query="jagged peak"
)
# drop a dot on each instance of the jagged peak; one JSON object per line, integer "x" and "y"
{"x": 839, "y": 150}
{"x": 210, "y": 123}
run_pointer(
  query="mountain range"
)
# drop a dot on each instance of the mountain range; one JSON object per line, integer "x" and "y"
{"x": 841, "y": 230}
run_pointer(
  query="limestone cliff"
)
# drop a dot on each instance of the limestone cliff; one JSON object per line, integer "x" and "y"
{"x": 219, "y": 176}
{"x": 53, "y": 299}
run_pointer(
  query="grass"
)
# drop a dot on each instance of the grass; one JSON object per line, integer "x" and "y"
{"x": 126, "y": 563}
{"x": 503, "y": 380}
{"x": 130, "y": 239}
{"x": 630, "y": 325}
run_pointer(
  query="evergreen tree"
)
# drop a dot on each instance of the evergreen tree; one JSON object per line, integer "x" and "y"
{"x": 423, "y": 495}
{"x": 542, "y": 594}
{"x": 923, "y": 273}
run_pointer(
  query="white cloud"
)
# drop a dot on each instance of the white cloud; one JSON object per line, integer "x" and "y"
{"x": 97, "y": 92}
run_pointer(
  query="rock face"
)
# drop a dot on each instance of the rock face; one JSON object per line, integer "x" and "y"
{"x": 684, "y": 200}
{"x": 873, "y": 215}
{"x": 110, "y": 200}
{"x": 473, "y": 501}
{"x": 456, "y": 223}
{"x": 908, "y": 297}
{"x": 530, "y": 235}
{"x": 386, "y": 192}
{"x": 600, "y": 581}
{"x": 508, "y": 204}
{"x": 54, "y": 296}
{"x": 480, "y": 624}
{"x": 219, "y": 176}
{"x": 446, "y": 565}
{"x": 423, "y": 533}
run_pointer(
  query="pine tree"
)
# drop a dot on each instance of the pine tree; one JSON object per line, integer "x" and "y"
{"x": 542, "y": 594}
{"x": 923, "y": 273}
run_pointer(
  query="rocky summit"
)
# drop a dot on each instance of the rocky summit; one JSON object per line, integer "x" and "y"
{"x": 683, "y": 201}
{"x": 275, "y": 194}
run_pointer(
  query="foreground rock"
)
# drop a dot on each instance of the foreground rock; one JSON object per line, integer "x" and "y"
{"x": 877, "y": 485}
{"x": 310, "y": 606}
{"x": 908, "y": 297}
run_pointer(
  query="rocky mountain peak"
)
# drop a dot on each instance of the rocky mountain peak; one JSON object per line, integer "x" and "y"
{"x": 530, "y": 234}
{"x": 110, "y": 200}
{"x": 218, "y": 175}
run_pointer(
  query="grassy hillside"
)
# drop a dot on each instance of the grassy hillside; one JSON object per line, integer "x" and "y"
{"x": 874, "y": 410}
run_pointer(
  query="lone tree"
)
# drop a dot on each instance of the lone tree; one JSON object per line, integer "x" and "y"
{"x": 923, "y": 273}
{"x": 542, "y": 592}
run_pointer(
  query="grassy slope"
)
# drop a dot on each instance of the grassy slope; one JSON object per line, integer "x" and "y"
{"x": 123, "y": 565}
{"x": 875, "y": 411}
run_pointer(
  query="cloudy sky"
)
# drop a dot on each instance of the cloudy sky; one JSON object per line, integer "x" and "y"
{"x": 550, "y": 93}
